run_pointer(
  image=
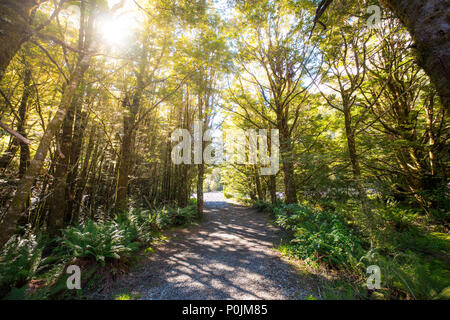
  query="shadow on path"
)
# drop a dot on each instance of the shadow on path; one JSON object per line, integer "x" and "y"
{"x": 229, "y": 255}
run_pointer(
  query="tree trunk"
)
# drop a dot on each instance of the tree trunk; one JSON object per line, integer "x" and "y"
{"x": 15, "y": 144}
{"x": 288, "y": 165}
{"x": 351, "y": 144}
{"x": 9, "y": 153}
{"x": 24, "y": 149}
{"x": 259, "y": 191}
{"x": 90, "y": 176}
{"x": 81, "y": 186}
{"x": 201, "y": 166}
{"x": 77, "y": 141}
{"x": 14, "y": 25}
{"x": 58, "y": 200}
{"x": 126, "y": 154}
{"x": 429, "y": 25}
{"x": 18, "y": 203}
{"x": 273, "y": 188}
{"x": 200, "y": 178}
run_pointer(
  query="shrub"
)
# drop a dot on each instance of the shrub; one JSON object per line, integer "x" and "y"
{"x": 264, "y": 206}
{"x": 409, "y": 275}
{"x": 227, "y": 195}
{"x": 410, "y": 258}
{"x": 142, "y": 221}
{"x": 164, "y": 218}
{"x": 167, "y": 216}
{"x": 182, "y": 216}
{"x": 104, "y": 241}
{"x": 19, "y": 260}
{"x": 100, "y": 241}
{"x": 320, "y": 236}
{"x": 261, "y": 205}
{"x": 400, "y": 218}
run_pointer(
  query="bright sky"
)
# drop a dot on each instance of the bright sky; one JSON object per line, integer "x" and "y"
{"x": 117, "y": 30}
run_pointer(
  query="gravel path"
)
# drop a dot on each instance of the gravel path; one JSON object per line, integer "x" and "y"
{"x": 230, "y": 255}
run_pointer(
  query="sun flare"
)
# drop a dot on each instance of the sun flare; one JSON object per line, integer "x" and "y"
{"x": 118, "y": 29}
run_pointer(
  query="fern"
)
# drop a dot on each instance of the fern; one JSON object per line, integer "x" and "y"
{"x": 100, "y": 241}
{"x": 20, "y": 259}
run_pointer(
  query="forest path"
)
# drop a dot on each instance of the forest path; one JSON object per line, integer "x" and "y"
{"x": 229, "y": 255}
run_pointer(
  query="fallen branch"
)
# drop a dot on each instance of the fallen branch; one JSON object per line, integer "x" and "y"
{"x": 14, "y": 133}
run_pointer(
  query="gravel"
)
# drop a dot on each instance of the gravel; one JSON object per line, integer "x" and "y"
{"x": 229, "y": 255}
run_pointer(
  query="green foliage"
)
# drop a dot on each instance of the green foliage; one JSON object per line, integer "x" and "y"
{"x": 142, "y": 222}
{"x": 340, "y": 289}
{"x": 20, "y": 259}
{"x": 414, "y": 263}
{"x": 319, "y": 236}
{"x": 410, "y": 275}
{"x": 123, "y": 297}
{"x": 262, "y": 206}
{"x": 167, "y": 216}
{"x": 228, "y": 195}
{"x": 400, "y": 217}
{"x": 101, "y": 241}
{"x": 127, "y": 296}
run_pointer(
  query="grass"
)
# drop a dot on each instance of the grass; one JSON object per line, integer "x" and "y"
{"x": 127, "y": 296}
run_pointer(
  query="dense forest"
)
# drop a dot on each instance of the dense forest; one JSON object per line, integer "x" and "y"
{"x": 358, "y": 90}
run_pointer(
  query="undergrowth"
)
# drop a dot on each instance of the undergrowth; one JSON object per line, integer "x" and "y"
{"x": 414, "y": 260}
{"x": 34, "y": 267}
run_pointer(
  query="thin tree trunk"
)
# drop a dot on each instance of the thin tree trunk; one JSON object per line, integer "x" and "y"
{"x": 24, "y": 149}
{"x": 273, "y": 188}
{"x": 58, "y": 200}
{"x": 259, "y": 191}
{"x": 9, "y": 154}
{"x": 200, "y": 178}
{"x": 15, "y": 143}
{"x": 201, "y": 166}
{"x": 18, "y": 203}
{"x": 288, "y": 165}
{"x": 81, "y": 186}
{"x": 126, "y": 154}
{"x": 77, "y": 141}
{"x": 362, "y": 195}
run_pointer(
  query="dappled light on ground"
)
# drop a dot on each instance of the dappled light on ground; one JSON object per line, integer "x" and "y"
{"x": 228, "y": 256}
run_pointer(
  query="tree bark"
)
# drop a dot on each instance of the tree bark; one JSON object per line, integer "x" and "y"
{"x": 75, "y": 152}
{"x": 16, "y": 143}
{"x": 126, "y": 154}
{"x": 288, "y": 164}
{"x": 81, "y": 186}
{"x": 356, "y": 169}
{"x": 14, "y": 25}
{"x": 18, "y": 203}
{"x": 259, "y": 191}
{"x": 273, "y": 189}
{"x": 201, "y": 166}
{"x": 58, "y": 200}
{"x": 24, "y": 149}
{"x": 429, "y": 25}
